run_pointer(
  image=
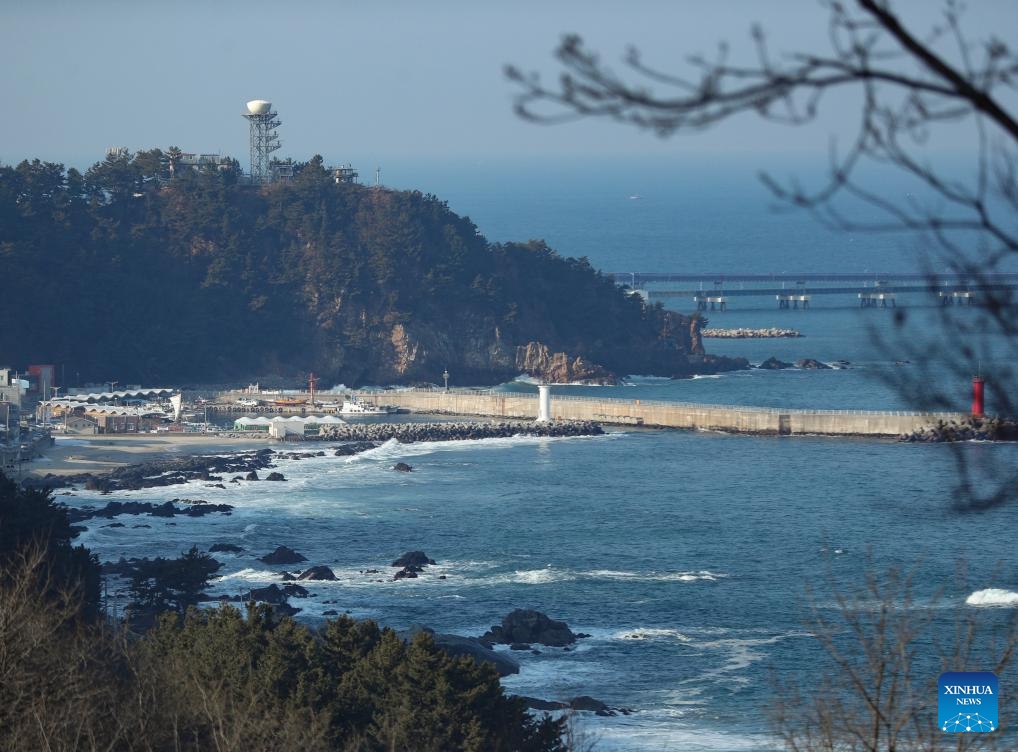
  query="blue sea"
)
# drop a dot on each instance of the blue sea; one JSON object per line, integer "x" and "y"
{"x": 697, "y": 562}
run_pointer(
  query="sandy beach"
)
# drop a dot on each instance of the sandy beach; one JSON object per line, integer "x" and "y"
{"x": 100, "y": 454}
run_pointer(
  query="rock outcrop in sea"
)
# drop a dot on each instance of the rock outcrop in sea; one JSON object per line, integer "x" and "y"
{"x": 526, "y": 626}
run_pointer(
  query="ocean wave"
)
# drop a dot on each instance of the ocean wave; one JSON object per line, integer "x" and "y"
{"x": 251, "y": 575}
{"x": 706, "y": 376}
{"x": 992, "y": 597}
{"x": 690, "y": 576}
{"x": 394, "y": 450}
{"x": 541, "y": 576}
{"x": 654, "y": 633}
{"x": 637, "y": 380}
{"x": 551, "y": 574}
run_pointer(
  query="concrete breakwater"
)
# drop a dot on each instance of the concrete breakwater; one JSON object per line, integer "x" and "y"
{"x": 412, "y": 432}
{"x": 770, "y": 333}
{"x": 729, "y": 418}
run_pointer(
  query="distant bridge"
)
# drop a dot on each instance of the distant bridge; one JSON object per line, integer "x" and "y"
{"x": 794, "y": 290}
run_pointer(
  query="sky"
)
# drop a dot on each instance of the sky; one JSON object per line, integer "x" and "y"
{"x": 369, "y": 82}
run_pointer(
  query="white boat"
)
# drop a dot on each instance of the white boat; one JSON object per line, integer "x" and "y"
{"x": 353, "y": 407}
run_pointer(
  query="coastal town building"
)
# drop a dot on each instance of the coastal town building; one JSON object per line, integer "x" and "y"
{"x": 79, "y": 424}
{"x": 12, "y": 388}
{"x": 108, "y": 421}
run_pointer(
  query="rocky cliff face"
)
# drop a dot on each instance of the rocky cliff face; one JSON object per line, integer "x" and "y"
{"x": 536, "y": 360}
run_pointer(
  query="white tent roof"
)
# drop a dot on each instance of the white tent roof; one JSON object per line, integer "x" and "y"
{"x": 261, "y": 420}
{"x": 124, "y": 394}
{"x": 329, "y": 420}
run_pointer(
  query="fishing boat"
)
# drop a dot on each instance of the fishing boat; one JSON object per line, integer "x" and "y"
{"x": 289, "y": 402}
{"x": 353, "y": 407}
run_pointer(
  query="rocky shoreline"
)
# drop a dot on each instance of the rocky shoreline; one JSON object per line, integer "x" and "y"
{"x": 351, "y": 439}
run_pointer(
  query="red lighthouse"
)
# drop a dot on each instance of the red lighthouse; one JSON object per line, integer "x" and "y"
{"x": 977, "y": 396}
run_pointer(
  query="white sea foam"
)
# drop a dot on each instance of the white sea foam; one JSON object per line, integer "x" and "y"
{"x": 653, "y": 634}
{"x": 619, "y": 736}
{"x": 635, "y": 380}
{"x": 706, "y": 376}
{"x": 992, "y": 597}
{"x": 392, "y": 450}
{"x": 251, "y": 575}
{"x": 689, "y": 576}
{"x": 550, "y": 574}
{"x": 539, "y": 576}
{"x": 738, "y": 655}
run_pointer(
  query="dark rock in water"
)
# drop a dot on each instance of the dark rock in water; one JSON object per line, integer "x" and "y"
{"x": 253, "y": 475}
{"x": 457, "y": 645}
{"x": 413, "y": 559}
{"x": 283, "y": 555}
{"x": 406, "y": 573}
{"x": 519, "y": 646}
{"x": 295, "y": 591}
{"x": 115, "y": 524}
{"x": 354, "y": 447}
{"x": 402, "y": 467}
{"x": 287, "y": 577}
{"x": 271, "y": 594}
{"x": 330, "y": 612}
{"x": 275, "y": 476}
{"x": 317, "y": 573}
{"x": 536, "y": 703}
{"x": 226, "y": 548}
{"x": 812, "y": 365}
{"x": 773, "y": 364}
{"x": 583, "y": 702}
{"x": 526, "y": 625}
{"x": 166, "y": 509}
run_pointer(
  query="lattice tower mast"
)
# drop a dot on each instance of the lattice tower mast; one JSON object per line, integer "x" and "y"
{"x": 264, "y": 139}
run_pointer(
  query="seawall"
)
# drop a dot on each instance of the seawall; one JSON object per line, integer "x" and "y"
{"x": 736, "y": 419}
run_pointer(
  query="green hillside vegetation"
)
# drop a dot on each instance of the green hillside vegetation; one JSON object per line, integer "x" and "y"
{"x": 123, "y": 270}
{"x": 220, "y": 679}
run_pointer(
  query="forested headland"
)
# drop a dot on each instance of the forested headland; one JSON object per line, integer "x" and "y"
{"x": 201, "y": 278}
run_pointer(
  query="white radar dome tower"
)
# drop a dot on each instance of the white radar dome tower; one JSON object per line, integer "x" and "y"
{"x": 264, "y": 139}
